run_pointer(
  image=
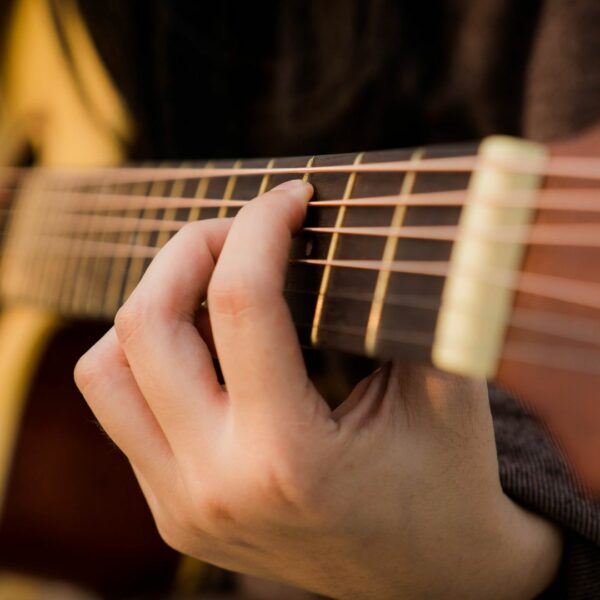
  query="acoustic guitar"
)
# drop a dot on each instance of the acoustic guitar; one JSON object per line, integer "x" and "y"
{"x": 481, "y": 259}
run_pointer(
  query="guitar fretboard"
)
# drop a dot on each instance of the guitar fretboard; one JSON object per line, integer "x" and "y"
{"x": 81, "y": 250}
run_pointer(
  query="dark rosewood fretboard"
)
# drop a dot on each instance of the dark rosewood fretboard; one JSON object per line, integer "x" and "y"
{"x": 88, "y": 271}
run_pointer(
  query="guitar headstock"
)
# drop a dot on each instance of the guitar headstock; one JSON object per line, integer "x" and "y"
{"x": 528, "y": 291}
{"x": 552, "y": 352}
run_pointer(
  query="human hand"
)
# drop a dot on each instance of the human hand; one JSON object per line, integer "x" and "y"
{"x": 395, "y": 493}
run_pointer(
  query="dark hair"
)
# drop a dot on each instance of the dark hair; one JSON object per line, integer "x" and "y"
{"x": 238, "y": 78}
{"x": 283, "y": 76}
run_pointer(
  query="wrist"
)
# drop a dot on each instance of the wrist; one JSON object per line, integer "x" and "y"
{"x": 529, "y": 551}
{"x": 513, "y": 555}
{"x": 508, "y": 553}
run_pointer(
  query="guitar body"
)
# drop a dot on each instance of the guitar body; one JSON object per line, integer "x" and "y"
{"x": 70, "y": 507}
{"x": 73, "y": 509}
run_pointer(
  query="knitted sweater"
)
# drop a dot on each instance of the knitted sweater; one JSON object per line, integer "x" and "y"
{"x": 534, "y": 475}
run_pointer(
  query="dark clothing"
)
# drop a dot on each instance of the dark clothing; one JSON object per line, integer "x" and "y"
{"x": 533, "y": 473}
{"x": 218, "y": 79}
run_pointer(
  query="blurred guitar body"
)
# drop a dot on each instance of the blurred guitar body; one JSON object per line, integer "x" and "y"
{"x": 69, "y": 505}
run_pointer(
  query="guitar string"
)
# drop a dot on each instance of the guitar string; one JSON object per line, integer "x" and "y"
{"x": 542, "y": 355}
{"x": 373, "y": 231}
{"x": 410, "y": 267}
{"x": 562, "y": 357}
{"x": 576, "y": 200}
{"x": 384, "y": 200}
{"x": 572, "y": 200}
{"x": 568, "y": 358}
{"x": 555, "y": 234}
{"x": 523, "y": 320}
{"x": 124, "y": 174}
{"x": 545, "y": 236}
{"x": 553, "y": 325}
{"x": 573, "y": 328}
{"x": 451, "y": 198}
{"x": 561, "y": 200}
{"x": 582, "y": 334}
{"x": 561, "y": 167}
{"x": 572, "y": 235}
{"x": 110, "y": 201}
{"x": 571, "y": 291}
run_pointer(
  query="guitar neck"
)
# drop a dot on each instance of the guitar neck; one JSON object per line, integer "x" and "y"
{"x": 85, "y": 262}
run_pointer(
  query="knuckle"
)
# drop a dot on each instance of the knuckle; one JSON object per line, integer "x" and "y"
{"x": 130, "y": 319}
{"x": 188, "y": 540}
{"x": 234, "y": 297}
{"x": 199, "y": 518}
{"x": 172, "y": 520}
{"x": 218, "y": 512}
{"x": 171, "y": 534}
{"x": 272, "y": 203}
{"x": 282, "y": 212}
{"x": 183, "y": 516}
{"x": 220, "y": 522}
{"x": 193, "y": 230}
{"x": 86, "y": 371}
{"x": 206, "y": 508}
{"x": 290, "y": 484}
{"x": 184, "y": 501}
{"x": 275, "y": 196}
{"x": 247, "y": 209}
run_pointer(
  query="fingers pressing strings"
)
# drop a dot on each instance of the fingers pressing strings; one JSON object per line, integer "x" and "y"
{"x": 253, "y": 329}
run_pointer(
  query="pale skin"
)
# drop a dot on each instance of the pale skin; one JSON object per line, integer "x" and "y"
{"x": 394, "y": 494}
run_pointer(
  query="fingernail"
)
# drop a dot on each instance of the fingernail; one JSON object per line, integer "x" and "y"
{"x": 298, "y": 188}
{"x": 379, "y": 380}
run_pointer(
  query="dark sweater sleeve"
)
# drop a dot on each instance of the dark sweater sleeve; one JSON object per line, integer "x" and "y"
{"x": 534, "y": 474}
